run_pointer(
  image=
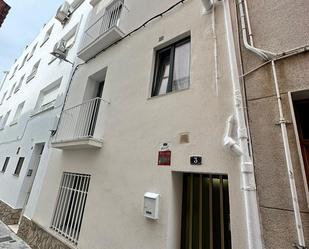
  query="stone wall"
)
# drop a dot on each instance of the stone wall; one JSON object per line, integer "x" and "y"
{"x": 9, "y": 215}
{"x": 38, "y": 238}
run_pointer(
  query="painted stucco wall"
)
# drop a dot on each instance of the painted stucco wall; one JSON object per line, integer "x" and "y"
{"x": 133, "y": 125}
{"x": 276, "y": 26}
{"x": 31, "y": 129}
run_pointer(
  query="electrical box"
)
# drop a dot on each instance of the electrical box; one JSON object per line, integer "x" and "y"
{"x": 151, "y": 205}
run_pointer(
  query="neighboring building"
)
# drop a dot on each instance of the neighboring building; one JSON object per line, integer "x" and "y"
{"x": 278, "y": 140}
{"x": 4, "y": 10}
{"x": 32, "y": 97}
{"x": 139, "y": 159}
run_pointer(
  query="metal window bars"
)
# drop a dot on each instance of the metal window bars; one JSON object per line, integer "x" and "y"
{"x": 69, "y": 211}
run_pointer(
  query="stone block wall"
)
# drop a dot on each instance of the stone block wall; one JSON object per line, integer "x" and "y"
{"x": 38, "y": 238}
{"x": 8, "y": 215}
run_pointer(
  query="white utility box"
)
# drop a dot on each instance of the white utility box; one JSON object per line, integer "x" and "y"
{"x": 151, "y": 205}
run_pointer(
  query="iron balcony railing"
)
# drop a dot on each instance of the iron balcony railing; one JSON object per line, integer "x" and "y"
{"x": 78, "y": 122}
{"x": 109, "y": 20}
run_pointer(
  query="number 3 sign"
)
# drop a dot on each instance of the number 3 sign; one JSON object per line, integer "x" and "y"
{"x": 196, "y": 160}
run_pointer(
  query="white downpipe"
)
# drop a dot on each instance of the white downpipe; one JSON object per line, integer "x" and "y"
{"x": 270, "y": 56}
{"x": 254, "y": 238}
{"x": 208, "y": 6}
{"x": 228, "y": 141}
{"x": 215, "y": 49}
{"x": 266, "y": 55}
{"x": 298, "y": 221}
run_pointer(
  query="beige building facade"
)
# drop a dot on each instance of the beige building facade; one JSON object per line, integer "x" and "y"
{"x": 277, "y": 30}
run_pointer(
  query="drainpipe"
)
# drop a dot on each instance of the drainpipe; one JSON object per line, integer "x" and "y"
{"x": 248, "y": 186}
{"x": 228, "y": 141}
{"x": 270, "y": 57}
{"x": 282, "y": 121}
{"x": 208, "y": 5}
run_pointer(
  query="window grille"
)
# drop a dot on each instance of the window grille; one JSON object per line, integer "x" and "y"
{"x": 70, "y": 205}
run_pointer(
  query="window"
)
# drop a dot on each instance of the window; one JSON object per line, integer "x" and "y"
{"x": 18, "y": 113}
{"x": 5, "y": 119}
{"x": 18, "y": 86}
{"x": 47, "y": 35}
{"x": 33, "y": 71}
{"x": 11, "y": 91}
{"x": 48, "y": 97}
{"x": 15, "y": 69}
{"x": 205, "y": 212}
{"x": 69, "y": 211}
{"x": 3, "y": 97}
{"x": 5, "y": 165}
{"x": 19, "y": 166}
{"x": 23, "y": 62}
{"x": 172, "y": 68}
{"x": 32, "y": 51}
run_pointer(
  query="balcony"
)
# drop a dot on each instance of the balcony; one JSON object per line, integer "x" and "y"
{"x": 102, "y": 33}
{"x": 76, "y": 128}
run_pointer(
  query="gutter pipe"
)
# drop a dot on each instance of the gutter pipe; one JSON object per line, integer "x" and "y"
{"x": 269, "y": 56}
{"x": 248, "y": 185}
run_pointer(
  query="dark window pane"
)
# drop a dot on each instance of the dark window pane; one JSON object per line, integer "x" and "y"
{"x": 19, "y": 165}
{"x": 5, "y": 165}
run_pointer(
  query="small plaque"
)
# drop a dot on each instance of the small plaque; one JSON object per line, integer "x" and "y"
{"x": 164, "y": 158}
{"x": 196, "y": 160}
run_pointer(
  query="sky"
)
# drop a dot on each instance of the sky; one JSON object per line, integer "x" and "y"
{"x": 24, "y": 21}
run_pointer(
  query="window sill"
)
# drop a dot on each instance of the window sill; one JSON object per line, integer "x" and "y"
{"x": 41, "y": 111}
{"x": 13, "y": 123}
{"x": 167, "y": 94}
{"x": 16, "y": 90}
{"x": 2, "y": 172}
{"x": 16, "y": 175}
{"x": 29, "y": 58}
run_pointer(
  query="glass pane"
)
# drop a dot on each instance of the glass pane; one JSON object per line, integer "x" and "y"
{"x": 181, "y": 77}
{"x": 162, "y": 79}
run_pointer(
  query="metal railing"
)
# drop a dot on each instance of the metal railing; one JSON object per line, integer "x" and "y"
{"x": 78, "y": 122}
{"x": 109, "y": 20}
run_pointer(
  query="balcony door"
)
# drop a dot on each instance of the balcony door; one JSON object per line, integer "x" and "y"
{"x": 96, "y": 107}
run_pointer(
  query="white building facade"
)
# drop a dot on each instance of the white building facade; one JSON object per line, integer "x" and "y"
{"x": 32, "y": 96}
{"x": 151, "y": 150}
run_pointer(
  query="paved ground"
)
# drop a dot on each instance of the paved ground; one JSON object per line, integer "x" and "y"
{"x": 11, "y": 241}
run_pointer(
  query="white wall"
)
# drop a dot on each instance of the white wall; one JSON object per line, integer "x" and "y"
{"x": 133, "y": 126}
{"x": 32, "y": 129}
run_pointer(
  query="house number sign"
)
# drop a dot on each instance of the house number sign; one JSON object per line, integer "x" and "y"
{"x": 196, "y": 160}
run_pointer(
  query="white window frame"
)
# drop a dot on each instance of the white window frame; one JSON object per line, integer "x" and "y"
{"x": 4, "y": 120}
{"x": 18, "y": 86}
{"x": 33, "y": 71}
{"x": 18, "y": 113}
{"x": 47, "y": 35}
{"x": 32, "y": 51}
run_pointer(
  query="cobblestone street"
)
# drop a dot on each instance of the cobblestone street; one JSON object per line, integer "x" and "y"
{"x": 9, "y": 240}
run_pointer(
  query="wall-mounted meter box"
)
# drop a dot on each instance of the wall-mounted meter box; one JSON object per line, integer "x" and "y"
{"x": 151, "y": 205}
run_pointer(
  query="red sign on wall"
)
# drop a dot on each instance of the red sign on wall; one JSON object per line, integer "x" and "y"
{"x": 164, "y": 158}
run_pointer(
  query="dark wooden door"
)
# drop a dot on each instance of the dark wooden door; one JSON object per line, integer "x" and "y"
{"x": 302, "y": 119}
